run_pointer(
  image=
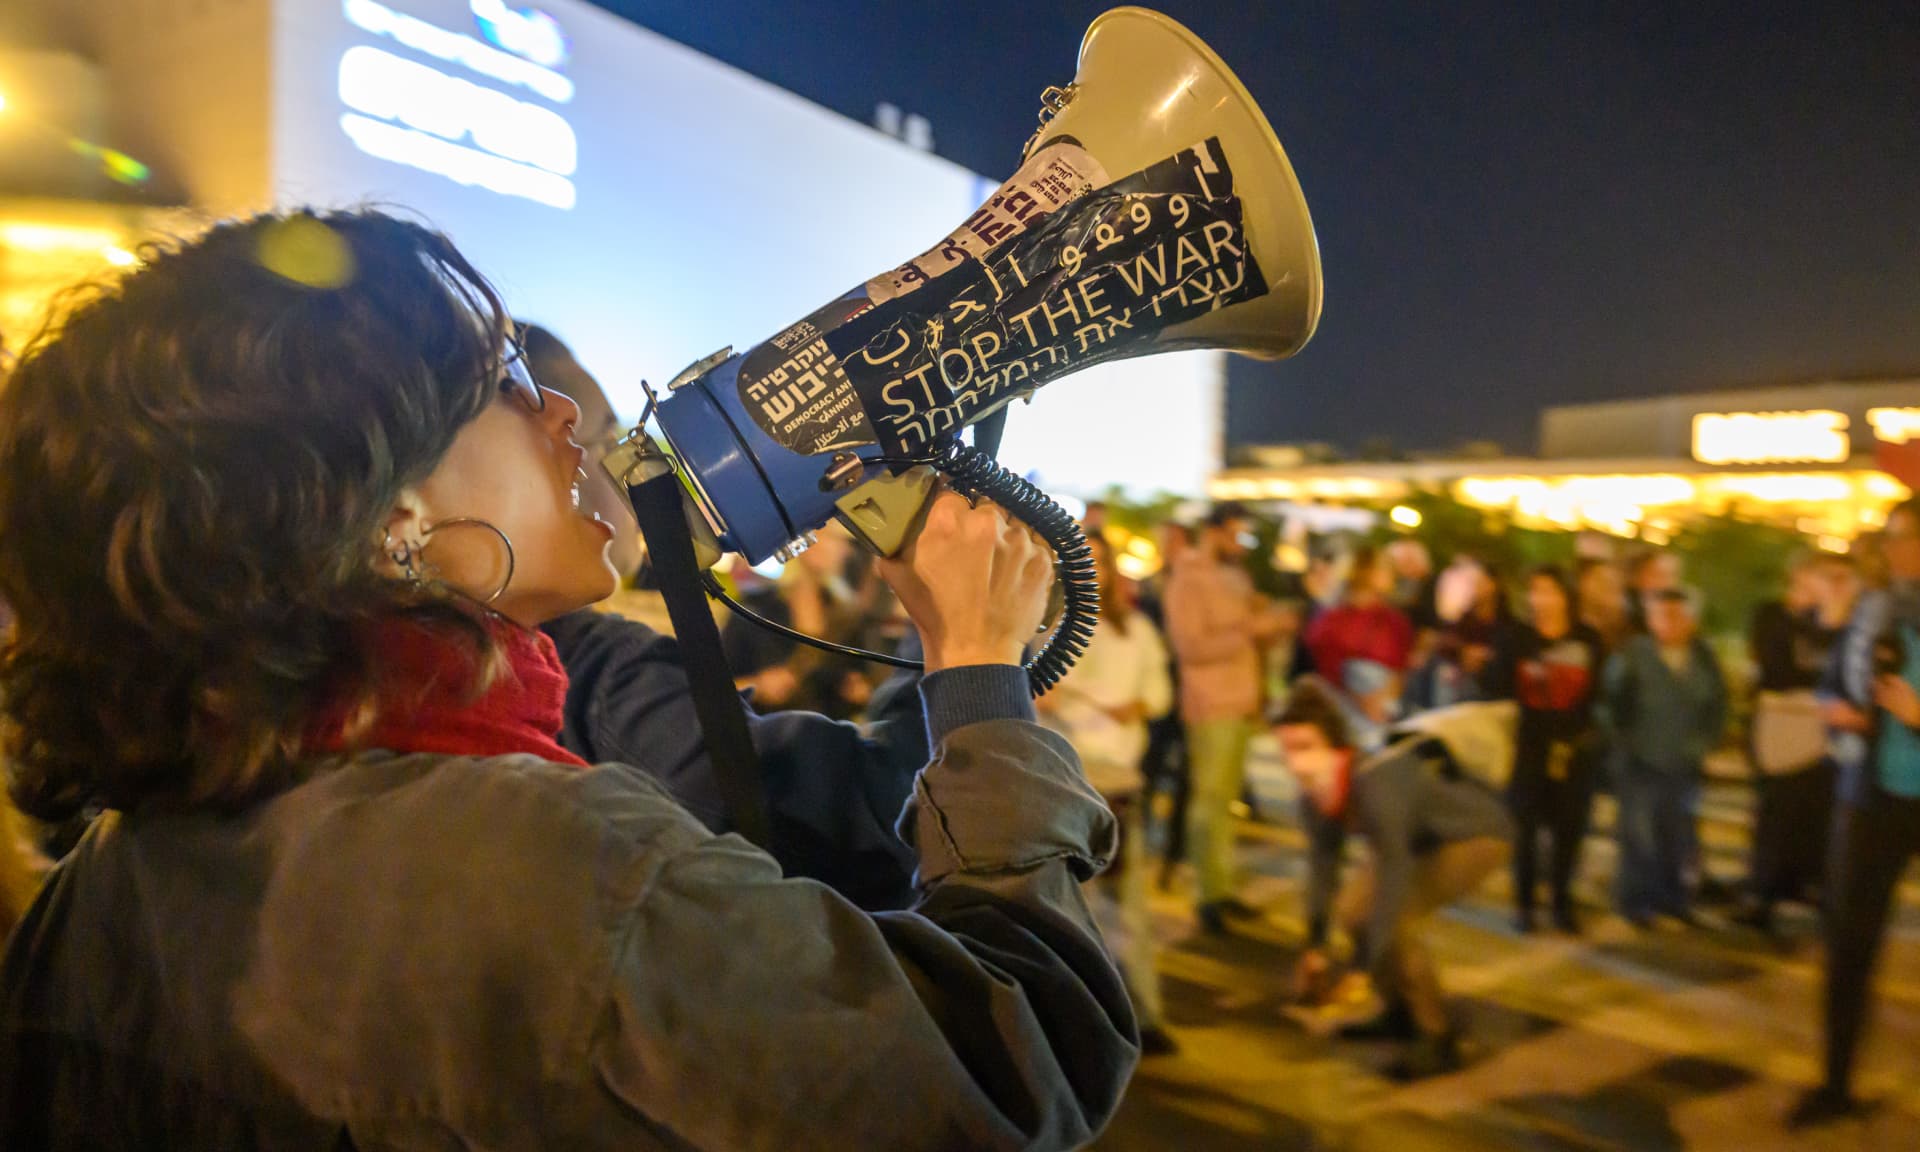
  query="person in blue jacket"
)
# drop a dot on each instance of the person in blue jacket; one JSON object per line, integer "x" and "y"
{"x": 833, "y": 788}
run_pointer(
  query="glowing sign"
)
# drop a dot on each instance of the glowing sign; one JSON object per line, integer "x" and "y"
{"x": 410, "y": 113}
{"x": 1770, "y": 437}
{"x": 386, "y": 87}
{"x": 462, "y": 165}
{"x": 526, "y": 32}
{"x": 1895, "y": 425}
{"x": 459, "y": 48}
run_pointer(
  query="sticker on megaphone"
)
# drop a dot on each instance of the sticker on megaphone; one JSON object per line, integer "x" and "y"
{"x": 1095, "y": 280}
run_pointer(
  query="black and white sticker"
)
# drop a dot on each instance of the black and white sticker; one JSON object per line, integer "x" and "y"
{"x": 1093, "y": 282}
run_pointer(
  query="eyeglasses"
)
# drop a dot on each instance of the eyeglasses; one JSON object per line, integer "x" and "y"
{"x": 517, "y": 382}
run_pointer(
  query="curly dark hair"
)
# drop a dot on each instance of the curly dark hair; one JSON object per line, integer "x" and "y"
{"x": 1314, "y": 701}
{"x": 196, "y": 465}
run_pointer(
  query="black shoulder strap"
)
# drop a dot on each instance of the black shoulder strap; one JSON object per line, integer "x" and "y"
{"x": 658, "y": 505}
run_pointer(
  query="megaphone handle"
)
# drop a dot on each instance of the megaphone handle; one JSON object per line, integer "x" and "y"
{"x": 972, "y": 472}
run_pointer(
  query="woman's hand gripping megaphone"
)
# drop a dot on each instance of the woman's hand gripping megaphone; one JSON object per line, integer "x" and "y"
{"x": 975, "y": 582}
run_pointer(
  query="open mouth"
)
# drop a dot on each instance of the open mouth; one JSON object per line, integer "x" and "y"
{"x": 580, "y": 479}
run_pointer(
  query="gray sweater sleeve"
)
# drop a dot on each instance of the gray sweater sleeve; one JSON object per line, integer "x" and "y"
{"x": 748, "y": 1011}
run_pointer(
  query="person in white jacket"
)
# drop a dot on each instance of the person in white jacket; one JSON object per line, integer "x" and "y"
{"x": 1103, "y": 706}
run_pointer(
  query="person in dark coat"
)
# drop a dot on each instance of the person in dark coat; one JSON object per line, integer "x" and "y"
{"x": 1791, "y": 639}
{"x": 1551, "y": 666}
{"x": 1664, "y": 705}
{"x": 833, "y": 789}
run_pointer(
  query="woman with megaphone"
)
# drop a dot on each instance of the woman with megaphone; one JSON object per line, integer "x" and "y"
{"x": 283, "y": 514}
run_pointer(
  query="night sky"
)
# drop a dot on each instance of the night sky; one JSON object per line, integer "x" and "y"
{"x": 1515, "y": 208}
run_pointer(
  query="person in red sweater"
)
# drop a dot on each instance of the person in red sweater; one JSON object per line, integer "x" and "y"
{"x": 1363, "y": 643}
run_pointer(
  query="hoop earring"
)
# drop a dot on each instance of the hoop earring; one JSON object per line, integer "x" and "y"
{"x": 406, "y": 555}
{"x": 489, "y": 527}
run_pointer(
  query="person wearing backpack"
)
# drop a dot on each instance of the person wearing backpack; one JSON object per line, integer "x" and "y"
{"x": 1663, "y": 706}
{"x": 1429, "y": 807}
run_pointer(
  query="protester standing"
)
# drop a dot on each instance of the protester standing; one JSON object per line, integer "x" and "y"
{"x": 1790, "y": 641}
{"x": 1164, "y": 763}
{"x": 1872, "y": 694}
{"x": 1475, "y": 619}
{"x": 1216, "y": 625}
{"x": 1103, "y": 705}
{"x": 1362, "y": 645}
{"x": 1551, "y": 667}
{"x": 1664, "y": 705}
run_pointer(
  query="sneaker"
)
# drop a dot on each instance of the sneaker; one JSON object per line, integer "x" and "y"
{"x": 1428, "y": 1057}
{"x": 1826, "y": 1105}
{"x": 1157, "y": 1042}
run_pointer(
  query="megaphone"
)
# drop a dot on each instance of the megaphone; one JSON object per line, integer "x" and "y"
{"x": 1154, "y": 210}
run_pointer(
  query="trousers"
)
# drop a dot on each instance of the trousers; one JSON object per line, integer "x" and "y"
{"x": 1442, "y": 876}
{"x": 1873, "y": 842}
{"x": 1552, "y": 789}
{"x": 1217, "y": 767}
{"x": 1657, "y": 839}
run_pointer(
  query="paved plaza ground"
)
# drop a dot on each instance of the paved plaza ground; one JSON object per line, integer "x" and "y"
{"x": 1617, "y": 1041}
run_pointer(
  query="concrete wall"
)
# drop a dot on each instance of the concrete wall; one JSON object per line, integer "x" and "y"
{"x": 190, "y": 91}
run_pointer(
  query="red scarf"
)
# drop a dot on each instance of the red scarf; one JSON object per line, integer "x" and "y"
{"x": 426, "y": 701}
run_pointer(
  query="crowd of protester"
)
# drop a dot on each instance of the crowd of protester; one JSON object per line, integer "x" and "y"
{"x": 1383, "y": 678}
{"x": 1453, "y": 718}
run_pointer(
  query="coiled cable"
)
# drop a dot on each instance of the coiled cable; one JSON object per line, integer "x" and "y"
{"x": 973, "y": 473}
{"x": 976, "y": 475}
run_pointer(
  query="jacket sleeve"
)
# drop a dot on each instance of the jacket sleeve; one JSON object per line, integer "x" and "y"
{"x": 833, "y": 792}
{"x": 748, "y": 1011}
{"x": 1713, "y": 719}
